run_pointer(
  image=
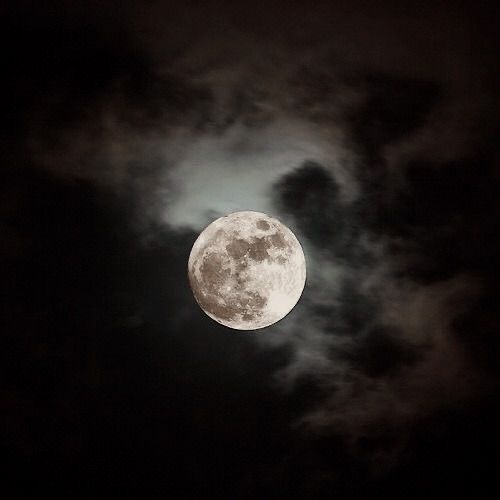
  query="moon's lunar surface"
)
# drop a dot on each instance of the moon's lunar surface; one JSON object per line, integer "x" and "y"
{"x": 247, "y": 270}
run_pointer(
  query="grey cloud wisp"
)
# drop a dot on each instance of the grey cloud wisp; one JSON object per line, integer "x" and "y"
{"x": 348, "y": 154}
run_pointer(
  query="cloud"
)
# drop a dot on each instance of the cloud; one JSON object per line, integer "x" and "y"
{"x": 375, "y": 333}
{"x": 347, "y": 149}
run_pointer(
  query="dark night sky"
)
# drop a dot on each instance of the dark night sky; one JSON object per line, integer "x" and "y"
{"x": 370, "y": 129}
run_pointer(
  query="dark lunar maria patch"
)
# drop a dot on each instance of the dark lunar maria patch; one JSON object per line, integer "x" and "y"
{"x": 207, "y": 290}
{"x": 262, "y": 224}
{"x": 256, "y": 249}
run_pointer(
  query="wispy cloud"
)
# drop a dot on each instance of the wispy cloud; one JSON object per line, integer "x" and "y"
{"x": 377, "y": 341}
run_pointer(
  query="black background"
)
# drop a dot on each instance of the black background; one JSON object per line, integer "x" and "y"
{"x": 113, "y": 382}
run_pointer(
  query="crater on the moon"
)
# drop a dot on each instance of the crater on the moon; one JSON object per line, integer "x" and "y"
{"x": 247, "y": 270}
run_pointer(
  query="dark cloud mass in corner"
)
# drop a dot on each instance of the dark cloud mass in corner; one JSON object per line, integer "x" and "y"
{"x": 370, "y": 130}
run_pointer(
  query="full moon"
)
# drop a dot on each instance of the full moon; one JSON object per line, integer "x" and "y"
{"x": 247, "y": 270}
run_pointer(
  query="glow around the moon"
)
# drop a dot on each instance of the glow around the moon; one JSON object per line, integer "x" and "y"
{"x": 247, "y": 270}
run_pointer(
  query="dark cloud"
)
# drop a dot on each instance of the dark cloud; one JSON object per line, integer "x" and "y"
{"x": 310, "y": 193}
{"x": 394, "y": 108}
{"x": 382, "y": 353}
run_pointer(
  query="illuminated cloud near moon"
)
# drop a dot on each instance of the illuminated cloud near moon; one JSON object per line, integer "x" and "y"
{"x": 247, "y": 270}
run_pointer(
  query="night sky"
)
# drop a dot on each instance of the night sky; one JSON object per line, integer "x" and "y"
{"x": 370, "y": 129}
